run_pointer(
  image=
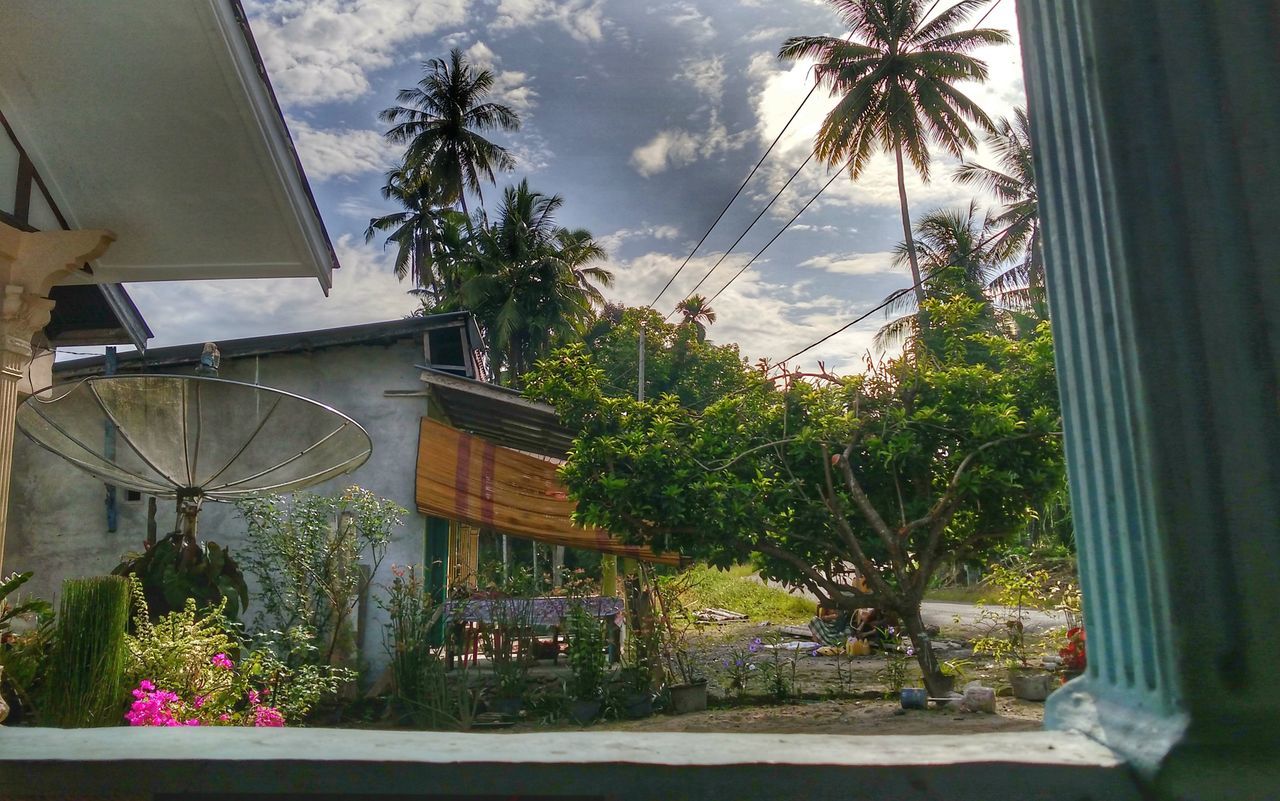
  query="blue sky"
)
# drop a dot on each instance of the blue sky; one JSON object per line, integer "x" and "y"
{"x": 644, "y": 116}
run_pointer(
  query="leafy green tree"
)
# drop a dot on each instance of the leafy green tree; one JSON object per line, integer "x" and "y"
{"x": 697, "y": 312}
{"x": 678, "y": 362}
{"x": 428, "y": 236}
{"x": 888, "y": 471}
{"x": 955, "y": 247}
{"x": 896, "y": 79}
{"x": 531, "y": 282}
{"x": 443, "y": 119}
{"x": 1017, "y": 226}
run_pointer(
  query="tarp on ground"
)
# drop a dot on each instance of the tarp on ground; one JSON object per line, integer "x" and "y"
{"x": 472, "y": 480}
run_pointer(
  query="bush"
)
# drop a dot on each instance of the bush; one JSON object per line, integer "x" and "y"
{"x": 178, "y": 568}
{"x": 23, "y": 653}
{"x": 87, "y": 662}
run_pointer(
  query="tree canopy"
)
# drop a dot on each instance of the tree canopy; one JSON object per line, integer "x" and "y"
{"x": 939, "y": 452}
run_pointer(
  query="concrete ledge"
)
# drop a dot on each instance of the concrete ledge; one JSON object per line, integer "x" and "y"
{"x": 616, "y": 765}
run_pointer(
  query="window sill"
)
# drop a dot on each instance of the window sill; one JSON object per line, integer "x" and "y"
{"x": 619, "y": 765}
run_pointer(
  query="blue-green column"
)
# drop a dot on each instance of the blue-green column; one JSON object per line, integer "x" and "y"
{"x": 1156, "y": 130}
{"x": 436, "y": 553}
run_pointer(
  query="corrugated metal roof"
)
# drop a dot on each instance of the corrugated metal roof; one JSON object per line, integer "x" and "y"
{"x": 498, "y": 414}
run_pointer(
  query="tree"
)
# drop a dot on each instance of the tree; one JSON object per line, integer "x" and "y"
{"x": 678, "y": 362}
{"x": 698, "y": 313}
{"x": 530, "y": 282}
{"x": 427, "y": 235}
{"x": 1013, "y": 182}
{"x": 956, "y": 248}
{"x": 896, "y": 79}
{"x": 887, "y": 471}
{"x": 442, "y": 119}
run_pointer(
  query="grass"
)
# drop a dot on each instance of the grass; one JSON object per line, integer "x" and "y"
{"x": 736, "y": 590}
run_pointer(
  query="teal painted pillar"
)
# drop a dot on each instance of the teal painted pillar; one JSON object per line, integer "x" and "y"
{"x": 437, "y": 565}
{"x": 1156, "y": 130}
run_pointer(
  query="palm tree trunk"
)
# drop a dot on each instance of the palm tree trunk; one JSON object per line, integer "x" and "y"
{"x": 906, "y": 235}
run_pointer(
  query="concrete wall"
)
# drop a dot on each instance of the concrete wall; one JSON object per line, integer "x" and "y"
{"x": 57, "y": 518}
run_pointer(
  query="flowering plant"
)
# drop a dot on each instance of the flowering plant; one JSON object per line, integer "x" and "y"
{"x": 896, "y": 666}
{"x": 1073, "y": 653}
{"x": 740, "y": 666}
{"x": 229, "y": 703}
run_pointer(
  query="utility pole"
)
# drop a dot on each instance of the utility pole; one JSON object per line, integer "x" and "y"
{"x": 640, "y": 376}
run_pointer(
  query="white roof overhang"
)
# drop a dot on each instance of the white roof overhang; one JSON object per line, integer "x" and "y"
{"x": 155, "y": 119}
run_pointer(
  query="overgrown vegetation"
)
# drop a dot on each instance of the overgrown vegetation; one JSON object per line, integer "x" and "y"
{"x": 738, "y": 589}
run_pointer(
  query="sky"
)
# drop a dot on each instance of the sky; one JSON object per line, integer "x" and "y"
{"x": 644, "y": 116}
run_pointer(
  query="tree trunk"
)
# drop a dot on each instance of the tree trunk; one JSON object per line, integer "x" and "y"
{"x": 930, "y": 670}
{"x": 907, "y": 237}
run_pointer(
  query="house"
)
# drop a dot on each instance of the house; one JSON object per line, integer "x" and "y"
{"x": 140, "y": 141}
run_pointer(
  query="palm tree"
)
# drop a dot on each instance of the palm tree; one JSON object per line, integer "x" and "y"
{"x": 442, "y": 119}
{"x": 896, "y": 77}
{"x": 957, "y": 250}
{"x": 531, "y": 282}
{"x": 1017, "y": 226}
{"x": 698, "y": 313}
{"x": 427, "y": 236}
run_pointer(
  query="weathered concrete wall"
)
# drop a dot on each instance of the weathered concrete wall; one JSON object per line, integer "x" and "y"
{"x": 57, "y": 518}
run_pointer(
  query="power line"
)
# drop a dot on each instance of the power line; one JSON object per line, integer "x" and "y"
{"x": 725, "y": 255}
{"x": 720, "y": 216}
{"x": 892, "y": 297}
{"x": 984, "y": 16}
{"x": 783, "y": 230}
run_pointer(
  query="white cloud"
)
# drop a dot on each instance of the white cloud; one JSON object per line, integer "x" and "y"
{"x": 853, "y": 263}
{"x": 341, "y": 153}
{"x": 323, "y": 51}
{"x": 676, "y": 147}
{"x": 705, "y": 75}
{"x": 611, "y": 242}
{"x": 582, "y": 19}
{"x": 825, "y": 229}
{"x": 364, "y": 290}
{"x": 767, "y": 319}
{"x": 686, "y": 17}
{"x": 510, "y": 87}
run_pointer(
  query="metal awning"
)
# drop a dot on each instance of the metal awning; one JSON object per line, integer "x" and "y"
{"x": 498, "y": 414}
{"x": 154, "y": 119}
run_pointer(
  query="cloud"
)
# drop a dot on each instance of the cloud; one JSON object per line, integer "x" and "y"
{"x": 825, "y": 229}
{"x": 767, "y": 319}
{"x": 611, "y": 242}
{"x": 705, "y": 75}
{"x": 686, "y": 17}
{"x": 324, "y": 50}
{"x": 510, "y": 87}
{"x": 364, "y": 290}
{"x": 676, "y": 147}
{"x": 853, "y": 263}
{"x": 341, "y": 153}
{"x": 582, "y": 19}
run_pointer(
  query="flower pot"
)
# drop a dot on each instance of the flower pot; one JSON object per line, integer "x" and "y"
{"x": 946, "y": 684}
{"x": 913, "y": 698}
{"x": 689, "y": 697}
{"x": 1031, "y": 685}
{"x": 507, "y": 706}
{"x": 583, "y": 712}
{"x": 638, "y": 706}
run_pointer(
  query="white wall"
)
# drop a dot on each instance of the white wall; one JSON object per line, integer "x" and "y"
{"x": 57, "y": 517}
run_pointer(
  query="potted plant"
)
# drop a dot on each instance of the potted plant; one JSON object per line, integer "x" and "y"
{"x": 586, "y": 665}
{"x": 1021, "y": 588}
{"x": 508, "y": 646}
{"x": 686, "y": 686}
{"x": 636, "y": 692}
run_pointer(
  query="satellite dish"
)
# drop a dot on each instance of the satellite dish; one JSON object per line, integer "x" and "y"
{"x": 194, "y": 438}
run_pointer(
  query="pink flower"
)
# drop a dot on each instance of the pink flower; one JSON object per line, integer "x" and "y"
{"x": 224, "y": 717}
{"x": 267, "y": 716}
{"x": 253, "y": 697}
{"x": 199, "y": 701}
{"x": 223, "y": 661}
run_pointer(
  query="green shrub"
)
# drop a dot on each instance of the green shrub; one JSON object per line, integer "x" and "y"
{"x": 87, "y": 662}
{"x": 586, "y": 654}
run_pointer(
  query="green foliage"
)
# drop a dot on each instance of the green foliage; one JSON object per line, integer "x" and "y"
{"x": 678, "y": 359}
{"x": 23, "y": 652}
{"x": 1020, "y": 586}
{"x": 738, "y": 590}
{"x": 943, "y": 452}
{"x": 306, "y": 553}
{"x": 417, "y": 664}
{"x": 177, "y": 568}
{"x": 176, "y": 651}
{"x": 586, "y": 654}
{"x": 87, "y": 661}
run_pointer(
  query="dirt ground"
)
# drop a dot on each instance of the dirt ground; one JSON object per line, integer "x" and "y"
{"x": 837, "y": 695}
